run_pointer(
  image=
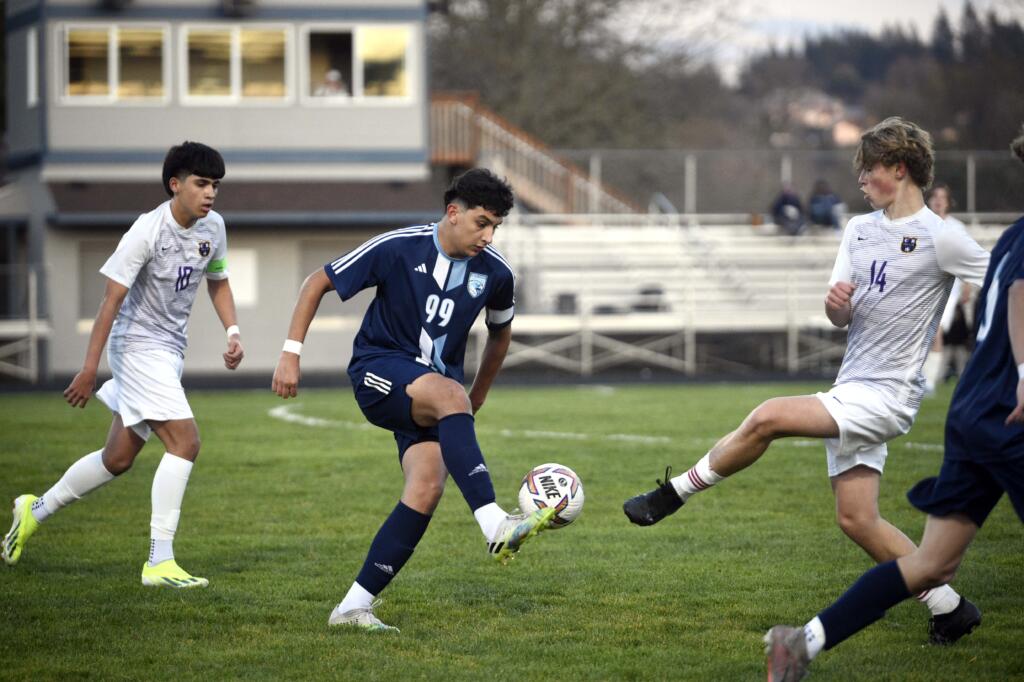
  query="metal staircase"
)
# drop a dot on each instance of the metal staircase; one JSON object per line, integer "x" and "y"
{"x": 463, "y": 132}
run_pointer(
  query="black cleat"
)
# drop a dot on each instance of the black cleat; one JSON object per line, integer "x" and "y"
{"x": 650, "y": 507}
{"x": 949, "y": 627}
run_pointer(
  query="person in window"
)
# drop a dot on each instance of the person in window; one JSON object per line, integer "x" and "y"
{"x": 332, "y": 86}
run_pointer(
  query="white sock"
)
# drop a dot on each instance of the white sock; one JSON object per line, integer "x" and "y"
{"x": 79, "y": 480}
{"x": 814, "y": 635}
{"x": 168, "y": 490}
{"x": 489, "y": 517}
{"x": 699, "y": 477}
{"x": 940, "y": 600}
{"x": 356, "y": 598}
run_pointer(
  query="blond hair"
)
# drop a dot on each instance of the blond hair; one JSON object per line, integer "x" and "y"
{"x": 896, "y": 140}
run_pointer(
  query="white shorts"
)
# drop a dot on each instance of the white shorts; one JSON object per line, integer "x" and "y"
{"x": 146, "y": 385}
{"x": 867, "y": 419}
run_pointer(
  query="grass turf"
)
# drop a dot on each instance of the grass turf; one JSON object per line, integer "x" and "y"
{"x": 279, "y": 516}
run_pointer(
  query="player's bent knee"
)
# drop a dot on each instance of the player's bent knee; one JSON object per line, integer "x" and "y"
{"x": 855, "y": 524}
{"x": 452, "y": 399}
{"x": 763, "y": 422}
{"x": 117, "y": 463}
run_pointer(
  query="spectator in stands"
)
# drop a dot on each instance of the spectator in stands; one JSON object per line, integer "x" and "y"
{"x": 940, "y": 201}
{"x": 788, "y": 212}
{"x": 332, "y": 86}
{"x": 824, "y": 206}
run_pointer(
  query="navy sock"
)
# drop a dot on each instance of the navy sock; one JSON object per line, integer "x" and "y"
{"x": 866, "y": 601}
{"x": 392, "y": 547}
{"x": 464, "y": 461}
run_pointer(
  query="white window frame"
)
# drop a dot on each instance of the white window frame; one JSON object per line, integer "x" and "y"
{"x": 32, "y": 68}
{"x": 113, "y": 64}
{"x": 357, "y": 98}
{"x": 236, "y": 98}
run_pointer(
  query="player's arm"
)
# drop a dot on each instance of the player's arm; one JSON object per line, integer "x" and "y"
{"x": 838, "y": 300}
{"x": 1015, "y": 325}
{"x": 80, "y": 389}
{"x": 495, "y": 349}
{"x": 224, "y": 303}
{"x": 286, "y": 376}
{"x": 958, "y": 254}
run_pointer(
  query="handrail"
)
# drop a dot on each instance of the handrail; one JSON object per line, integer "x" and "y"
{"x": 464, "y": 132}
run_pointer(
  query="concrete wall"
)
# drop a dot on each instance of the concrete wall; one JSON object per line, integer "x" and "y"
{"x": 274, "y": 268}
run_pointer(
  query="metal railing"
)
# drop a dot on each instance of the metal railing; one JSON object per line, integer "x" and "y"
{"x": 21, "y": 326}
{"x": 463, "y": 132}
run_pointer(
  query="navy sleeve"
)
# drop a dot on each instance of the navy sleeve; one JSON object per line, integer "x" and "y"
{"x": 361, "y": 268}
{"x": 501, "y": 304}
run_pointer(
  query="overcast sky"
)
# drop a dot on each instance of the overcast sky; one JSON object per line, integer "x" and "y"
{"x": 763, "y": 23}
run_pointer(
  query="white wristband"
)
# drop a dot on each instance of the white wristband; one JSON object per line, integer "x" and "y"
{"x": 1020, "y": 371}
{"x": 291, "y": 346}
{"x": 232, "y": 330}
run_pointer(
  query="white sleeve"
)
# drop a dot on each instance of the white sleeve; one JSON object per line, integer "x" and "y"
{"x": 951, "y": 303}
{"x": 842, "y": 271}
{"x": 959, "y": 255}
{"x": 133, "y": 252}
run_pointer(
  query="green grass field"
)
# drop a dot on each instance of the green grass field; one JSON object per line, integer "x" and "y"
{"x": 279, "y": 515}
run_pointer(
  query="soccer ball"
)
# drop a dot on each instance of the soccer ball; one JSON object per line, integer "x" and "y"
{"x": 552, "y": 485}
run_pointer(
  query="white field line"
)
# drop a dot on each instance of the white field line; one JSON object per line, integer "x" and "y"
{"x": 288, "y": 413}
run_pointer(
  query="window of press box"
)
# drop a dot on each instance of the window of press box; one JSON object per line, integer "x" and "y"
{"x": 382, "y": 52}
{"x": 263, "y": 63}
{"x": 140, "y": 54}
{"x": 209, "y": 63}
{"x": 259, "y": 54}
{"x": 330, "y": 64}
{"x": 114, "y": 62}
{"x": 88, "y": 62}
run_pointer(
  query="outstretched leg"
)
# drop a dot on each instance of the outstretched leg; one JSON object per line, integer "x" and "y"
{"x": 442, "y": 401}
{"x": 776, "y": 418}
{"x": 84, "y": 476}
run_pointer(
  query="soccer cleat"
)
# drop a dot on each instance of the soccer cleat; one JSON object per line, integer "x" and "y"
{"x": 517, "y": 529}
{"x": 786, "y": 649}
{"x": 23, "y": 526}
{"x": 361, "y": 618}
{"x": 650, "y": 507}
{"x": 170, "y": 574}
{"x": 949, "y": 627}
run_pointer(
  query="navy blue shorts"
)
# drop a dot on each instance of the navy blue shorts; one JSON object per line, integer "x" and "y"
{"x": 971, "y": 488}
{"x": 379, "y": 385}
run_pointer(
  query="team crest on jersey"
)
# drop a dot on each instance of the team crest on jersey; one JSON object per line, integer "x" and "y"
{"x": 476, "y": 284}
{"x": 909, "y": 244}
{"x": 204, "y": 248}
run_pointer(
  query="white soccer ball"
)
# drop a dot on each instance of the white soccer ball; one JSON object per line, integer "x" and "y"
{"x": 552, "y": 485}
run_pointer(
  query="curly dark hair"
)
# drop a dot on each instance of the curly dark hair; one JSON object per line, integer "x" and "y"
{"x": 481, "y": 187}
{"x": 895, "y": 140}
{"x": 192, "y": 158}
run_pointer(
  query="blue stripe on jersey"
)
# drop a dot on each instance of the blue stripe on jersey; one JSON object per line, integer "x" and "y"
{"x": 345, "y": 261}
{"x": 457, "y": 275}
{"x": 438, "y": 349}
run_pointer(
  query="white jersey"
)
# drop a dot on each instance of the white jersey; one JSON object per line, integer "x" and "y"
{"x": 903, "y": 271}
{"x": 161, "y": 263}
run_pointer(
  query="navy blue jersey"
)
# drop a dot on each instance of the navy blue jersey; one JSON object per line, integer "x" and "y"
{"x": 426, "y": 302}
{"x": 987, "y": 391}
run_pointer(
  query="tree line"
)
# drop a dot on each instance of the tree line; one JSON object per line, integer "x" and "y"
{"x": 567, "y": 72}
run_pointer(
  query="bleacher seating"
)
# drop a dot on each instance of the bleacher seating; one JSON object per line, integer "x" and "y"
{"x": 590, "y": 278}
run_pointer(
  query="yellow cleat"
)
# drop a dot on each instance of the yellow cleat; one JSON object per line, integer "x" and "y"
{"x": 170, "y": 574}
{"x": 21, "y": 529}
{"x": 517, "y": 529}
